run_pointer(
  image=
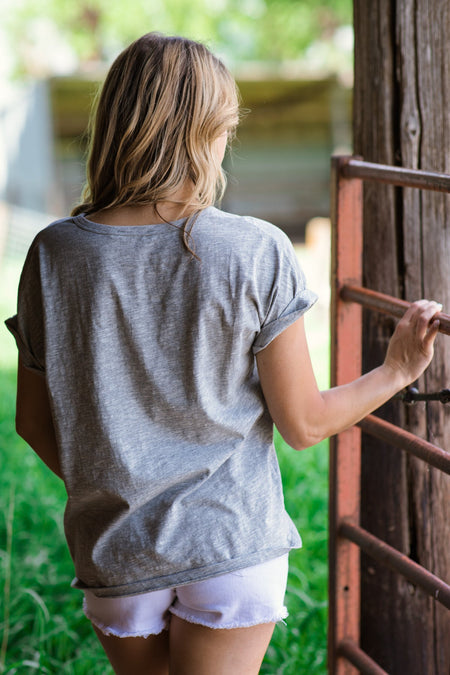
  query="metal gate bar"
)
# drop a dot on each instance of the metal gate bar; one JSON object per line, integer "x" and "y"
{"x": 396, "y": 175}
{"x": 386, "y": 304}
{"x": 346, "y": 536}
{"x": 390, "y": 433}
{"x": 358, "y": 658}
{"x": 390, "y": 557}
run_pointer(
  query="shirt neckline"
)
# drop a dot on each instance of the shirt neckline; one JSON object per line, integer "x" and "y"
{"x": 127, "y": 230}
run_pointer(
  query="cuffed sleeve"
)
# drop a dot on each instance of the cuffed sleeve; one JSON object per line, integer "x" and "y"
{"x": 294, "y": 310}
{"x": 288, "y": 299}
{"x": 27, "y": 326}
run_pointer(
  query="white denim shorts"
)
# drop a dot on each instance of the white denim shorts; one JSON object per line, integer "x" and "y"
{"x": 247, "y": 597}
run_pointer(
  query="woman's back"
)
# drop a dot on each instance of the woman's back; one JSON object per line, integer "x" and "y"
{"x": 167, "y": 431}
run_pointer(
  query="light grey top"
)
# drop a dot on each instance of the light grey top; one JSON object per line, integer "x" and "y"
{"x": 164, "y": 437}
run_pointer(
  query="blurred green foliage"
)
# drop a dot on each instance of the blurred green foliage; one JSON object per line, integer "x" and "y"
{"x": 269, "y": 30}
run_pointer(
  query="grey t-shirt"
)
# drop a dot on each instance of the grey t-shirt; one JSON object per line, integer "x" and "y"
{"x": 164, "y": 436}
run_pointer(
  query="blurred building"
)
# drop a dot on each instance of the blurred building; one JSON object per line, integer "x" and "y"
{"x": 278, "y": 169}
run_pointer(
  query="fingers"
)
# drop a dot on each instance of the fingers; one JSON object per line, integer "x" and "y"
{"x": 433, "y": 329}
{"x": 421, "y": 313}
{"x": 419, "y": 307}
{"x": 411, "y": 347}
{"x": 421, "y": 318}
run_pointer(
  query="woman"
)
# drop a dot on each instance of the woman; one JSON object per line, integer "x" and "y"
{"x": 159, "y": 341}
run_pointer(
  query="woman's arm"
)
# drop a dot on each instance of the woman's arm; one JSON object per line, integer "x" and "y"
{"x": 34, "y": 421}
{"x": 303, "y": 415}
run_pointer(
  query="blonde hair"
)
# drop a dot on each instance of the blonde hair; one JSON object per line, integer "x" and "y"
{"x": 164, "y": 102}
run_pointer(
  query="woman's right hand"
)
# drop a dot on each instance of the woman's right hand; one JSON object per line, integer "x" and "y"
{"x": 304, "y": 415}
{"x": 411, "y": 346}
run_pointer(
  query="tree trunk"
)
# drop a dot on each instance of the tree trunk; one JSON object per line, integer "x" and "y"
{"x": 402, "y": 117}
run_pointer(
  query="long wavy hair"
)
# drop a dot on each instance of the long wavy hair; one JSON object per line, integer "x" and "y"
{"x": 164, "y": 102}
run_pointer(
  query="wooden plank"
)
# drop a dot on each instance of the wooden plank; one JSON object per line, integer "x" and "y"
{"x": 402, "y": 118}
{"x": 431, "y": 494}
{"x": 383, "y": 472}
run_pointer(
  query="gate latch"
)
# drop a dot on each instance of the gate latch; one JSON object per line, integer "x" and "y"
{"x": 412, "y": 395}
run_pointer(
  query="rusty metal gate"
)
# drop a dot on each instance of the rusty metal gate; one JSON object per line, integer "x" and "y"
{"x": 347, "y": 538}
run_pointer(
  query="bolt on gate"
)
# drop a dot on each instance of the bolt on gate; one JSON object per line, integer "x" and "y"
{"x": 347, "y": 538}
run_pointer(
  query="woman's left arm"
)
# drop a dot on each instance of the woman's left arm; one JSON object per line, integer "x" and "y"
{"x": 34, "y": 421}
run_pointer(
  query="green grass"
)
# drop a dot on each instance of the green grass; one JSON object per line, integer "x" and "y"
{"x": 42, "y": 627}
{"x": 300, "y": 647}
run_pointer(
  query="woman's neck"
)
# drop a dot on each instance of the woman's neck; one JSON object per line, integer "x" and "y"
{"x": 164, "y": 211}
{"x": 139, "y": 215}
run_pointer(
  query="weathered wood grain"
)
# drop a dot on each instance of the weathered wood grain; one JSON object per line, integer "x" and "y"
{"x": 402, "y": 96}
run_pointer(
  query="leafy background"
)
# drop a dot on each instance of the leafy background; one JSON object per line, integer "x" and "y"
{"x": 240, "y": 30}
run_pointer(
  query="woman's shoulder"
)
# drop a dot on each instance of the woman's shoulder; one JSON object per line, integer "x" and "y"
{"x": 54, "y": 231}
{"x": 50, "y": 238}
{"x": 240, "y": 231}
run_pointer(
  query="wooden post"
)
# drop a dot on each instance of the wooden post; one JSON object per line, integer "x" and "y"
{"x": 344, "y": 580}
{"x": 401, "y": 104}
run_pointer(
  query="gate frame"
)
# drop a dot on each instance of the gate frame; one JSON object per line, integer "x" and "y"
{"x": 346, "y": 537}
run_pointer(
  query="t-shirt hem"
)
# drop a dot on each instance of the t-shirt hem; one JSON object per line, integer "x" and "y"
{"x": 185, "y": 576}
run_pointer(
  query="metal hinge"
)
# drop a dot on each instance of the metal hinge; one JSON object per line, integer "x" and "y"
{"x": 412, "y": 395}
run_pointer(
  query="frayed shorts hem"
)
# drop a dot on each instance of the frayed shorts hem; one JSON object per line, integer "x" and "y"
{"x": 117, "y": 632}
{"x": 237, "y": 624}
